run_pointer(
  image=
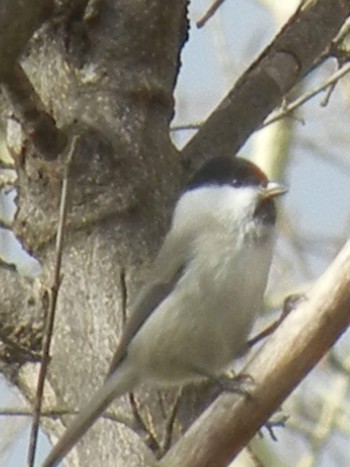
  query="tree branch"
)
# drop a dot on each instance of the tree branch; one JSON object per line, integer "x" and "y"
{"x": 290, "y": 353}
{"x": 18, "y": 21}
{"x": 209, "y": 13}
{"x": 293, "y": 53}
{"x": 289, "y": 108}
{"x": 39, "y": 126}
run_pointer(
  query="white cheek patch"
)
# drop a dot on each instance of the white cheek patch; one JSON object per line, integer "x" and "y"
{"x": 222, "y": 204}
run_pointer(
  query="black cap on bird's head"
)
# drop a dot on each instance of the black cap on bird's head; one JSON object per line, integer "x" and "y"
{"x": 233, "y": 171}
{"x": 239, "y": 173}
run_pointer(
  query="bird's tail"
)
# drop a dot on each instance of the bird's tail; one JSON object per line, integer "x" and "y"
{"x": 116, "y": 385}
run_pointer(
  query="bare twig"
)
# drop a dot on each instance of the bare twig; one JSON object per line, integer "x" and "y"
{"x": 169, "y": 426}
{"x": 50, "y": 317}
{"x": 209, "y": 13}
{"x": 288, "y": 108}
{"x": 55, "y": 413}
{"x": 151, "y": 440}
{"x": 268, "y": 330}
{"x": 124, "y": 295}
{"x": 186, "y": 127}
{"x": 327, "y": 97}
{"x": 307, "y": 96}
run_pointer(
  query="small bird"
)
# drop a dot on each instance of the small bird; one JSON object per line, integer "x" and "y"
{"x": 205, "y": 288}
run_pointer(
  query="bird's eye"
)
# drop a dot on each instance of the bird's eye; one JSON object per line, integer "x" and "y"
{"x": 236, "y": 182}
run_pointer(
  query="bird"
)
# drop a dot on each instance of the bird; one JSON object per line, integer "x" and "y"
{"x": 192, "y": 317}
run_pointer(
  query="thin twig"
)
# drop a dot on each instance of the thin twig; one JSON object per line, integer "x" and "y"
{"x": 55, "y": 413}
{"x": 209, "y": 13}
{"x": 307, "y": 96}
{"x": 328, "y": 95}
{"x": 187, "y": 127}
{"x": 124, "y": 295}
{"x": 289, "y": 303}
{"x": 286, "y": 109}
{"x": 162, "y": 404}
{"x": 50, "y": 316}
{"x": 151, "y": 440}
{"x": 169, "y": 426}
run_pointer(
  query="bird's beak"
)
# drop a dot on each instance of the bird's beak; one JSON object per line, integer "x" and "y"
{"x": 273, "y": 189}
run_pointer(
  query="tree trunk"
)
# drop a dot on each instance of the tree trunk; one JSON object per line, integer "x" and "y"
{"x": 107, "y": 75}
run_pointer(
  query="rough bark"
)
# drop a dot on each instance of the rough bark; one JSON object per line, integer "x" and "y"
{"x": 108, "y": 77}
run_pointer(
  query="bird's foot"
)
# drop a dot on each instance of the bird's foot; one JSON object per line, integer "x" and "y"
{"x": 241, "y": 384}
{"x": 278, "y": 420}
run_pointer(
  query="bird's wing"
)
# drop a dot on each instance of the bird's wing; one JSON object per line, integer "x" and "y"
{"x": 169, "y": 267}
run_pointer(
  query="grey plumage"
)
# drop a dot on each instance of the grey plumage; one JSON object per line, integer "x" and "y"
{"x": 205, "y": 288}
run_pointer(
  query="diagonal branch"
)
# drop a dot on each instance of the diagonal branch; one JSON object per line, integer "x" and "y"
{"x": 304, "y": 39}
{"x": 18, "y": 21}
{"x": 290, "y": 353}
{"x": 38, "y": 125}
